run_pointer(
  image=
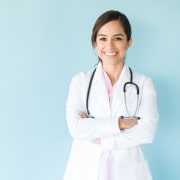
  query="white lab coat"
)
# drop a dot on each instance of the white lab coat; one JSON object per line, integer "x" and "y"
{"x": 125, "y": 146}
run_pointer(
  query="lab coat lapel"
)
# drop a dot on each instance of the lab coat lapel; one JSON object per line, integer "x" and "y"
{"x": 99, "y": 99}
{"x": 117, "y": 105}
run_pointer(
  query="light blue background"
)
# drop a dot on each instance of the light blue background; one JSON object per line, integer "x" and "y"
{"x": 43, "y": 43}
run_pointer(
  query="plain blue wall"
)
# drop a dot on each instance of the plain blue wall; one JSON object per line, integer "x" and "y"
{"x": 43, "y": 43}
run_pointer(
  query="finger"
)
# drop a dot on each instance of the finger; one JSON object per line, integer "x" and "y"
{"x": 82, "y": 115}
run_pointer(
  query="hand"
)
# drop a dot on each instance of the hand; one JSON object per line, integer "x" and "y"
{"x": 96, "y": 141}
{"x": 127, "y": 123}
{"x": 82, "y": 114}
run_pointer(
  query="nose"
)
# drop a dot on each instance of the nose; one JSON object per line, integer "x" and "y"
{"x": 110, "y": 44}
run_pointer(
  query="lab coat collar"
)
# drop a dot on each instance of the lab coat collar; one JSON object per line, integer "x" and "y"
{"x": 124, "y": 76}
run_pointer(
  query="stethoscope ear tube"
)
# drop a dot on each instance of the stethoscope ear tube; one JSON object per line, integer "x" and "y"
{"x": 131, "y": 83}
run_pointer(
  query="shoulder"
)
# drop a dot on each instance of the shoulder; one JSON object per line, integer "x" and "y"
{"x": 83, "y": 75}
{"x": 145, "y": 82}
{"x": 139, "y": 76}
{"x": 81, "y": 78}
{"x": 87, "y": 74}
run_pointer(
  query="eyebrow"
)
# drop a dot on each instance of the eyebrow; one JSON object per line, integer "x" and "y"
{"x": 113, "y": 35}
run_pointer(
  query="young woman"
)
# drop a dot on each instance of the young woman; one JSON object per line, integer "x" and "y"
{"x": 111, "y": 110}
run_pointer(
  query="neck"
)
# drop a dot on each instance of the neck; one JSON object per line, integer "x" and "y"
{"x": 113, "y": 71}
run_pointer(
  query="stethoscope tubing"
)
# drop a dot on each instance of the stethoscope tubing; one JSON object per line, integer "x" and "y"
{"x": 88, "y": 92}
{"x": 124, "y": 90}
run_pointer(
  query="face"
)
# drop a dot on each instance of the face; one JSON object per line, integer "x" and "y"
{"x": 111, "y": 43}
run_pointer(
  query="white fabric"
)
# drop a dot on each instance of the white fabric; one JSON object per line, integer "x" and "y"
{"x": 129, "y": 162}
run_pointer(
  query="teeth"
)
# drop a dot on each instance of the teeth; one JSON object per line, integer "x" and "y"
{"x": 110, "y": 53}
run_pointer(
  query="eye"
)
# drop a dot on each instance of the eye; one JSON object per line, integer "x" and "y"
{"x": 118, "y": 38}
{"x": 102, "y": 39}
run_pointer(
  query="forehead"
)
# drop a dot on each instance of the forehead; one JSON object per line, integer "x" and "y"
{"x": 111, "y": 28}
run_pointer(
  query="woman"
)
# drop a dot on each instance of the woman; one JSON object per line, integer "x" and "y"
{"x": 108, "y": 126}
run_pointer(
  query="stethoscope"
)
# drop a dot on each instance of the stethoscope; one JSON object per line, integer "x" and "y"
{"x": 131, "y": 83}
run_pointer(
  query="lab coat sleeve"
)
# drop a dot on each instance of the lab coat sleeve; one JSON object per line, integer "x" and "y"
{"x": 86, "y": 128}
{"x": 144, "y": 131}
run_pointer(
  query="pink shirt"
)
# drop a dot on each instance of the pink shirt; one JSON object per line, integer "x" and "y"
{"x": 107, "y": 170}
{"x": 110, "y": 87}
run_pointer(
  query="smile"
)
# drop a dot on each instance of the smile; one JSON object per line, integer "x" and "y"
{"x": 110, "y": 53}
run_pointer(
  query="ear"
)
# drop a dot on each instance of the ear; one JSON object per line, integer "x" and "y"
{"x": 129, "y": 43}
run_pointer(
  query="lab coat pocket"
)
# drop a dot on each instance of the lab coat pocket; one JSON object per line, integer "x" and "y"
{"x": 142, "y": 171}
{"x": 135, "y": 171}
{"x": 83, "y": 162}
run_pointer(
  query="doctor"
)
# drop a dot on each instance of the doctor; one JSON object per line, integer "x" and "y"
{"x": 108, "y": 121}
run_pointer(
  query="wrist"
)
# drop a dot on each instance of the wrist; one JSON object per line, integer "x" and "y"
{"x": 121, "y": 123}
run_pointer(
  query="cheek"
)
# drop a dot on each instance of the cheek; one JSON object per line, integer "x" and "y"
{"x": 99, "y": 47}
{"x": 123, "y": 47}
{"x": 98, "y": 51}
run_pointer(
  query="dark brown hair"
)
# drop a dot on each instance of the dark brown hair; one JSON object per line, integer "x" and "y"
{"x": 110, "y": 16}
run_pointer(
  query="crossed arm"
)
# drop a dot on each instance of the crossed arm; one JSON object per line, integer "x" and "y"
{"x": 122, "y": 123}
